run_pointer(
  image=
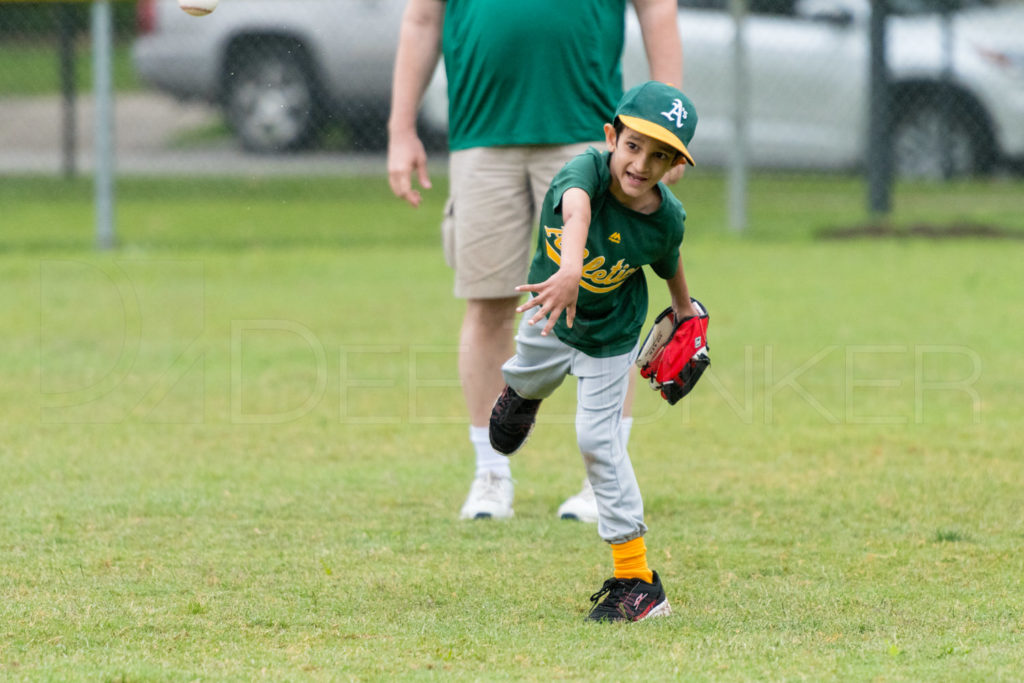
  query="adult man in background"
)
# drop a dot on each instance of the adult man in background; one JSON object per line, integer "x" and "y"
{"x": 529, "y": 81}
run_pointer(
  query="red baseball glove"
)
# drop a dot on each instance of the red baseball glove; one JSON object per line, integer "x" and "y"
{"x": 675, "y": 355}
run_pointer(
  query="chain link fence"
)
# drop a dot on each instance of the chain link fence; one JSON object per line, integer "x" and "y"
{"x": 271, "y": 78}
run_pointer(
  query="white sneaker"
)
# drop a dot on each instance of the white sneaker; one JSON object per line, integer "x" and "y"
{"x": 582, "y": 506}
{"x": 490, "y": 497}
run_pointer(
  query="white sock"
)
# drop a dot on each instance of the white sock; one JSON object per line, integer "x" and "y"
{"x": 487, "y": 459}
{"x": 626, "y": 426}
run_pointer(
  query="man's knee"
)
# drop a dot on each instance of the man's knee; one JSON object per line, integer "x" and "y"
{"x": 491, "y": 314}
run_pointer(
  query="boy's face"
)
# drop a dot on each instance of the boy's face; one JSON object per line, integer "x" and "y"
{"x": 638, "y": 162}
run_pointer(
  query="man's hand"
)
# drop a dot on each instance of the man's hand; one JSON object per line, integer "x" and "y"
{"x": 419, "y": 49}
{"x": 406, "y": 155}
{"x": 674, "y": 174}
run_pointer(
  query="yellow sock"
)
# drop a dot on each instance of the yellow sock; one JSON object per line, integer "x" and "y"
{"x": 630, "y": 560}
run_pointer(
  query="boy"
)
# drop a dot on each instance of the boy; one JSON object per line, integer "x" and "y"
{"x": 604, "y": 217}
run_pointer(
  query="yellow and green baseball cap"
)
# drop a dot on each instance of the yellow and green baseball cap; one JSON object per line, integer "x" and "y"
{"x": 662, "y": 112}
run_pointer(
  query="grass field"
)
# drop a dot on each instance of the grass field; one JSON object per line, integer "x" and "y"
{"x": 234, "y": 448}
{"x": 33, "y": 68}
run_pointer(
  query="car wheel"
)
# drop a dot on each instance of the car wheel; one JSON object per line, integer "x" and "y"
{"x": 933, "y": 140}
{"x": 271, "y": 97}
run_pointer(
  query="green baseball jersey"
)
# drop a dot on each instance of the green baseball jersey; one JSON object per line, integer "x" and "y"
{"x": 531, "y": 72}
{"x": 612, "y": 303}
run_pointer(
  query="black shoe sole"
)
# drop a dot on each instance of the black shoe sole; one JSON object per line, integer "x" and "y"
{"x": 512, "y": 420}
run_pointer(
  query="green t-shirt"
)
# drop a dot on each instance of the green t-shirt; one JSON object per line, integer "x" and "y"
{"x": 531, "y": 72}
{"x": 612, "y": 303}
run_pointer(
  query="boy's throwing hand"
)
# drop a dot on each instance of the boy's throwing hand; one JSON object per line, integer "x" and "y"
{"x": 556, "y": 294}
{"x": 559, "y": 292}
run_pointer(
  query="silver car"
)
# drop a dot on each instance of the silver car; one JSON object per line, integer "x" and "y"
{"x": 281, "y": 69}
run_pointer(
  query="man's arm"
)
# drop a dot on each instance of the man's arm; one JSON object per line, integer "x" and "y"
{"x": 559, "y": 292}
{"x": 664, "y": 47}
{"x": 658, "y": 24}
{"x": 419, "y": 48}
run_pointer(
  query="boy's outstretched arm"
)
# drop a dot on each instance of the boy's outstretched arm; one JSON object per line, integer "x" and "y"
{"x": 680, "y": 293}
{"x": 559, "y": 292}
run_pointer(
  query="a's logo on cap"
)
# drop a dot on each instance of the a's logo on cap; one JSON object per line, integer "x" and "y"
{"x": 677, "y": 114}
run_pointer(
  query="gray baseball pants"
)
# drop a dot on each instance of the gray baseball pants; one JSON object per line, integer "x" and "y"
{"x": 538, "y": 368}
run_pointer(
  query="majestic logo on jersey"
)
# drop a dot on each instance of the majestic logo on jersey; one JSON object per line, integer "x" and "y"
{"x": 677, "y": 114}
{"x": 615, "y": 237}
{"x": 596, "y": 278}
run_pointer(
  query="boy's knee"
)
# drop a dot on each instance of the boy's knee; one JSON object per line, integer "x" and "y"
{"x": 594, "y": 444}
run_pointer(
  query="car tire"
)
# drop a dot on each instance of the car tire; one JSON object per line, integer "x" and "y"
{"x": 937, "y": 136}
{"x": 271, "y": 97}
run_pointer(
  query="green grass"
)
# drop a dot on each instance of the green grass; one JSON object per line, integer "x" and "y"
{"x": 33, "y": 68}
{"x": 206, "y": 213}
{"x": 234, "y": 449}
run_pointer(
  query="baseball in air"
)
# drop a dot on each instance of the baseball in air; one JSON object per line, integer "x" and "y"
{"x": 198, "y": 8}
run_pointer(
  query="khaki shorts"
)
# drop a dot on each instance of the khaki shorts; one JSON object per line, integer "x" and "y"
{"x": 493, "y": 208}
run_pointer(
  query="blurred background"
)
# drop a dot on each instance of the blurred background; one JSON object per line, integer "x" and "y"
{"x": 302, "y": 86}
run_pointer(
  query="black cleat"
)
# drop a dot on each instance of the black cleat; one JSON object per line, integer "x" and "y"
{"x": 629, "y": 600}
{"x": 512, "y": 420}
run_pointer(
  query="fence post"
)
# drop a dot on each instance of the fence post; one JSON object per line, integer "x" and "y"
{"x": 66, "y": 30}
{"x": 103, "y": 102}
{"x": 738, "y": 158}
{"x": 946, "y": 11}
{"x": 878, "y": 155}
